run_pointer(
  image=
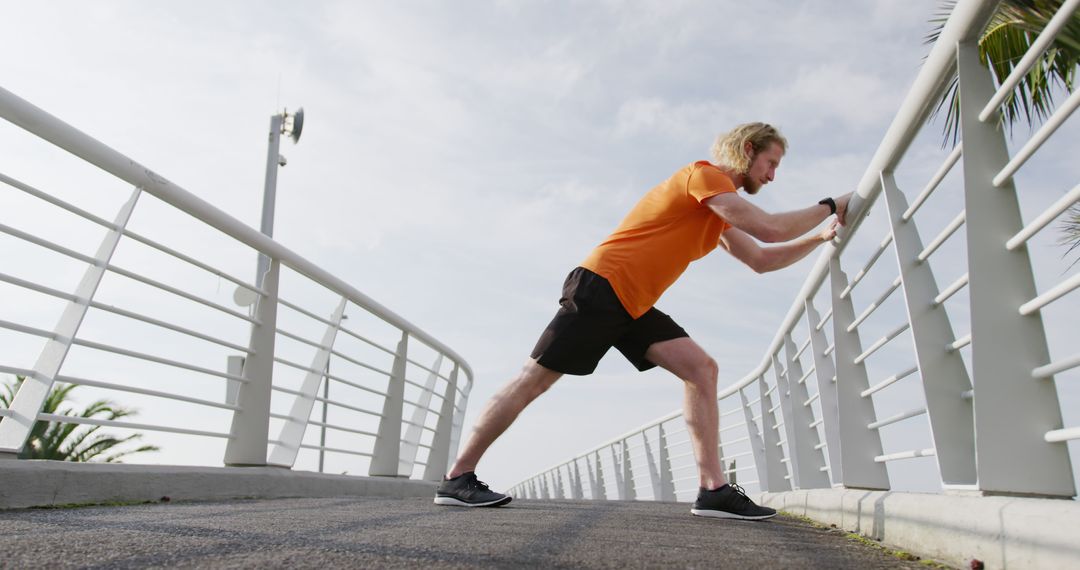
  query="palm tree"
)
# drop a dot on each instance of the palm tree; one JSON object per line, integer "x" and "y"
{"x": 68, "y": 441}
{"x": 1014, "y": 27}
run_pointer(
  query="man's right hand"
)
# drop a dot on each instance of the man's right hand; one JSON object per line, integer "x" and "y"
{"x": 841, "y": 208}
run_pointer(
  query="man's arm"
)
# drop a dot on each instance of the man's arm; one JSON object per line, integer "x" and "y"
{"x": 772, "y": 228}
{"x": 765, "y": 259}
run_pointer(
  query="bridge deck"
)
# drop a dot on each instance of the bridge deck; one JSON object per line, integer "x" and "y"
{"x": 412, "y": 533}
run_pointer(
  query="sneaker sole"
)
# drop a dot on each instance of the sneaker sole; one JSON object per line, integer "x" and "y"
{"x": 727, "y": 515}
{"x": 452, "y": 502}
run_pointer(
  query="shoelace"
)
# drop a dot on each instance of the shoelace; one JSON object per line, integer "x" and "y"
{"x": 739, "y": 490}
{"x": 480, "y": 484}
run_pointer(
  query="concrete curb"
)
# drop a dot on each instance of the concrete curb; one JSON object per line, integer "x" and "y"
{"x": 1002, "y": 532}
{"x": 42, "y": 483}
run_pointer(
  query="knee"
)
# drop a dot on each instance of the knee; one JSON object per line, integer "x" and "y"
{"x": 704, "y": 374}
{"x": 535, "y": 380}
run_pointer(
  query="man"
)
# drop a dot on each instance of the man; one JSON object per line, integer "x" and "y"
{"x": 608, "y": 301}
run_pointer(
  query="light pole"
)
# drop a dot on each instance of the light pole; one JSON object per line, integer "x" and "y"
{"x": 291, "y": 124}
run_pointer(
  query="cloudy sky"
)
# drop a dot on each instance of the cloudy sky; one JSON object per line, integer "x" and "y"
{"x": 459, "y": 158}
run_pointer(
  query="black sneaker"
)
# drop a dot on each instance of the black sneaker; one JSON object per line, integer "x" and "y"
{"x": 466, "y": 490}
{"x": 729, "y": 502}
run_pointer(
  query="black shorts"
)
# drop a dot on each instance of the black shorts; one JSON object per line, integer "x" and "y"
{"x": 591, "y": 319}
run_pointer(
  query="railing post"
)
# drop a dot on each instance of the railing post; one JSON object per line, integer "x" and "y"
{"x": 806, "y": 462}
{"x": 667, "y": 478}
{"x": 773, "y": 480}
{"x": 283, "y": 454}
{"x": 859, "y": 445}
{"x": 438, "y": 462}
{"x": 944, "y": 376}
{"x": 387, "y": 454}
{"x": 629, "y": 492}
{"x": 651, "y": 462}
{"x": 576, "y": 490}
{"x": 556, "y": 478}
{"x": 825, "y": 372}
{"x": 616, "y": 465}
{"x": 251, "y": 422}
{"x": 410, "y": 443}
{"x": 28, "y": 401}
{"x": 1013, "y": 411}
{"x": 599, "y": 491}
{"x": 757, "y": 447}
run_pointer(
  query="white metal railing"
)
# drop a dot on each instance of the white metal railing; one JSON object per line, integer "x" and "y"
{"x": 989, "y": 396}
{"x": 383, "y": 395}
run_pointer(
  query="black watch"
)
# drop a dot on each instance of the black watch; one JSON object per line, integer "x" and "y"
{"x": 830, "y": 203}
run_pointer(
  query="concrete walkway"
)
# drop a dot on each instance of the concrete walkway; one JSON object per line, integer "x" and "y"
{"x": 413, "y": 533}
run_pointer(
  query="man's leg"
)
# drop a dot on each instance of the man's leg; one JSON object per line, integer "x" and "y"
{"x": 684, "y": 358}
{"x": 698, "y": 371}
{"x": 501, "y": 411}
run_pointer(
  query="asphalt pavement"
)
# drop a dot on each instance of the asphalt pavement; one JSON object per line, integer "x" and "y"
{"x": 360, "y": 532}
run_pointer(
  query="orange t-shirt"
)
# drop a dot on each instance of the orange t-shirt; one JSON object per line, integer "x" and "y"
{"x": 662, "y": 234}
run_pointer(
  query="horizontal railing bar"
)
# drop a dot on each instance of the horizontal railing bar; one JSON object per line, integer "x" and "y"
{"x": 945, "y": 234}
{"x": 343, "y": 428}
{"x": 170, "y": 326}
{"x": 1048, "y": 370}
{"x": 112, "y": 226}
{"x": 889, "y": 381}
{"x": 4, "y": 412}
{"x": 815, "y": 423}
{"x": 730, "y": 412}
{"x": 1043, "y": 219}
{"x": 157, "y": 359}
{"x": 144, "y": 391}
{"x": 18, "y": 371}
{"x": 335, "y": 450}
{"x": 423, "y": 387}
{"x": 771, "y": 389}
{"x": 736, "y": 456}
{"x": 680, "y": 456}
{"x": 56, "y": 201}
{"x": 935, "y": 181}
{"x": 807, "y": 374}
{"x": 421, "y": 426}
{"x": 364, "y": 339}
{"x": 1033, "y": 144}
{"x": 866, "y": 268}
{"x": 306, "y": 312}
{"x": 735, "y": 441}
{"x": 897, "y": 418}
{"x": 738, "y": 470}
{"x": 1050, "y": 296}
{"x": 732, "y": 426}
{"x": 48, "y": 245}
{"x": 812, "y": 399}
{"x": 874, "y": 306}
{"x": 829, "y": 349}
{"x": 820, "y": 446}
{"x": 1058, "y": 435}
{"x": 929, "y": 452}
{"x": 169, "y": 289}
{"x": 183, "y": 257}
{"x": 361, "y": 364}
{"x": 427, "y": 408}
{"x": 824, "y": 319}
{"x": 1034, "y": 54}
{"x": 967, "y": 394}
{"x": 952, "y": 289}
{"x": 959, "y": 343}
{"x": 426, "y": 369}
{"x": 774, "y": 408}
{"x": 753, "y": 402}
{"x": 802, "y": 348}
{"x": 299, "y": 338}
{"x": 882, "y": 342}
{"x": 127, "y": 425}
{"x": 321, "y": 399}
{"x": 355, "y": 385}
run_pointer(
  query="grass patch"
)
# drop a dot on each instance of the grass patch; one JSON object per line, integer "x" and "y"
{"x": 162, "y": 500}
{"x": 867, "y": 542}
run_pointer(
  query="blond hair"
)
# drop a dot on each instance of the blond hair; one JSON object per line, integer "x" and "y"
{"x": 728, "y": 151}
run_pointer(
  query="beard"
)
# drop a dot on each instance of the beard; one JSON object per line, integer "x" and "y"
{"x": 751, "y": 185}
